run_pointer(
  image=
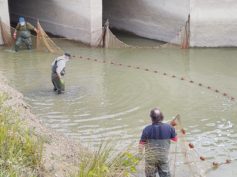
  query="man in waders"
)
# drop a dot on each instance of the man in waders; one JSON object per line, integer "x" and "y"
{"x": 156, "y": 140}
{"x": 58, "y": 70}
{"x": 22, "y": 34}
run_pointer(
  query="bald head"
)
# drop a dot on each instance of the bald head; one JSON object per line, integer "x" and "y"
{"x": 156, "y": 115}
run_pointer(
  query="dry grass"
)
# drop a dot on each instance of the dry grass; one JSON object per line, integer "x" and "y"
{"x": 20, "y": 150}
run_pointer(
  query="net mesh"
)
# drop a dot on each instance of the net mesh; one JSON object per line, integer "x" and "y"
{"x": 109, "y": 40}
{"x": 45, "y": 43}
{"x": 185, "y": 159}
{"x": 186, "y": 35}
{"x": 41, "y": 41}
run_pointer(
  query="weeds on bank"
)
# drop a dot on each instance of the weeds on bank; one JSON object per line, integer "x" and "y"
{"x": 20, "y": 151}
{"x": 105, "y": 162}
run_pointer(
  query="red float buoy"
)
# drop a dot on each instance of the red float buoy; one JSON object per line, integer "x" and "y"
{"x": 173, "y": 123}
{"x": 215, "y": 164}
{"x": 183, "y": 131}
{"x": 202, "y": 158}
{"x": 191, "y": 146}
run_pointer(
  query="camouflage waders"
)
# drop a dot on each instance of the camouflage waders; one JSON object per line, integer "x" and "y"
{"x": 59, "y": 85}
{"x": 23, "y": 38}
{"x": 156, "y": 158}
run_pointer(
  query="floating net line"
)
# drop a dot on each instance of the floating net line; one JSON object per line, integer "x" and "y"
{"x": 109, "y": 40}
{"x": 191, "y": 162}
{"x": 156, "y": 71}
{"x": 43, "y": 42}
{"x": 184, "y": 158}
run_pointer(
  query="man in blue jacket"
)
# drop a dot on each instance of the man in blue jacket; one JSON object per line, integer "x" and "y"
{"x": 156, "y": 140}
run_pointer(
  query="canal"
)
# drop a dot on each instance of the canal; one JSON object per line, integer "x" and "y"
{"x": 112, "y": 100}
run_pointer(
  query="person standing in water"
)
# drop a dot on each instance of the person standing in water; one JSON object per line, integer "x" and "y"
{"x": 22, "y": 34}
{"x": 156, "y": 140}
{"x": 58, "y": 71}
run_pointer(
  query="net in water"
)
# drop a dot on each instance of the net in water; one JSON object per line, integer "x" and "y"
{"x": 41, "y": 41}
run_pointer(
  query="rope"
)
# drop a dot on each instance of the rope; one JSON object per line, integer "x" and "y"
{"x": 217, "y": 91}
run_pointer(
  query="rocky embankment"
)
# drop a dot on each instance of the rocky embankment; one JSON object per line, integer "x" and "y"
{"x": 60, "y": 154}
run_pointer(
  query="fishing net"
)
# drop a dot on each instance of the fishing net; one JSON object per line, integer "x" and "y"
{"x": 109, "y": 40}
{"x": 45, "y": 43}
{"x": 41, "y": 41}
{"x": 186, "y": 35}
{"x": 184, "y": 158}
{"x": 7, "y": 36}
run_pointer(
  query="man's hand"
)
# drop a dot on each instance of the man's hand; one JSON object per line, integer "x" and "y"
{"x": 14, "y": 35}
{"x": 36, "y": 30}
{"x": 59, "y": 76}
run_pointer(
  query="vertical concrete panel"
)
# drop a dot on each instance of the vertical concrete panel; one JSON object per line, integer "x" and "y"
{"x": 4, "y": 15}
{"x": 156, "y": 19}
{"x": 72, "y": 19}
{"x": 96, "y": 21}
{"x": 213, "y": 23}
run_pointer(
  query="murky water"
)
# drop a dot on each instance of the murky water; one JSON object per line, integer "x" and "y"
{"x": 105, "y": 101}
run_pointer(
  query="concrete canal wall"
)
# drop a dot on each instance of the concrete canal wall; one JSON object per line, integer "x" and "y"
{"x": 4, "y": 14}
{"x": 155, "y": 19}
{"x": 75, "y": 19}
{"x": 213, "y": 23}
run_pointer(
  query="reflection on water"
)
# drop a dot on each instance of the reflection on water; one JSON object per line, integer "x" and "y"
{"x": 103, "y": 101}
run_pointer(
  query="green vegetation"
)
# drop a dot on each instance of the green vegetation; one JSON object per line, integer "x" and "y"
{"x": 20, "y": 150}
{"x": 104, "y": 162}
